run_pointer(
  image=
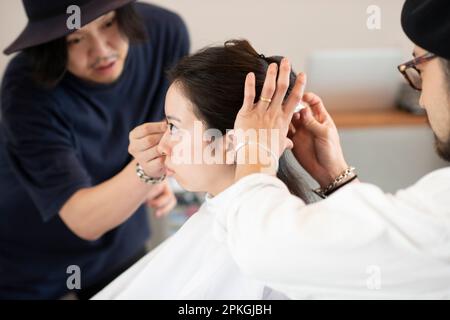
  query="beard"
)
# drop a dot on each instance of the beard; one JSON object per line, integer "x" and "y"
{"x": 442, "y": 148}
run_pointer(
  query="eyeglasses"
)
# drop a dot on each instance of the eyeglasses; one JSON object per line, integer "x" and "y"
{"x": 411, "y": 73}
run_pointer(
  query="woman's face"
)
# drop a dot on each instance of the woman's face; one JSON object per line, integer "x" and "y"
{"x": 97, "y": 52}
{"x": 197, "y": 162}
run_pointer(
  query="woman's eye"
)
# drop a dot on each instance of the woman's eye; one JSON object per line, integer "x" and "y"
{"x": 172, "y": 128}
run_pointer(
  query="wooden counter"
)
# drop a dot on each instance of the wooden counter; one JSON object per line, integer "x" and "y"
{"x": 384, "y": 118}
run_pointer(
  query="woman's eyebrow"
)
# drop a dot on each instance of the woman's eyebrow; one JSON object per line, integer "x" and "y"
{"x": 173, "y": 118}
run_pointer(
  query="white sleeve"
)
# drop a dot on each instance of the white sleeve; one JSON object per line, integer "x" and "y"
{"x": 359, "y": 242}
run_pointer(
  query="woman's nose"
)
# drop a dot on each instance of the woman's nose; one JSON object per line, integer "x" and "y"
{"x": 163, "y": 146}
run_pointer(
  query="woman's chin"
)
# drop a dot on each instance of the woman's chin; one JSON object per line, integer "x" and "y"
{"x": 179, "y": 180}
{"x": 186, "y": 186}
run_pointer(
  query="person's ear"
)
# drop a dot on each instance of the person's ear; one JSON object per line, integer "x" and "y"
{"x": 230, "y": 145}
{"x": 289, "y": 144}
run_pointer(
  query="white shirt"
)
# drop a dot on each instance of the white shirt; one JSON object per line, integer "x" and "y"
{"x": 195, "y": 263}
{"x": 359, "y": 243}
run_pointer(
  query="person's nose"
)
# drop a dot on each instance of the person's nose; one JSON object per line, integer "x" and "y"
{"x": 99, "y": 48}
{"x": 164, "y": 147}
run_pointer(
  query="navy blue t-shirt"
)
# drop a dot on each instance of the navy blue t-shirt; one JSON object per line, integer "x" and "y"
{"x": 55, "y": 142}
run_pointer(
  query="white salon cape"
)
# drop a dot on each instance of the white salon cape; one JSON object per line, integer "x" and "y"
{"x": 194, "y": 264}
{"x": 360, "y": 243}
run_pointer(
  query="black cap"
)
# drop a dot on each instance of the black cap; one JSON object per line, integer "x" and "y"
{"x": 427, "y": 24}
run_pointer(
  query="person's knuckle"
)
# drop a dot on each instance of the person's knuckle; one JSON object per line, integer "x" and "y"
{"x": 130, "y": 149}
{"x": 141, "y": 129}
{"x": 248, "y": 95}
{"x": 150, "y": 141}
{"x": 271, "y": 87}
{"x": 296, "y": 96}
{"x": 316, "y": 97}
{"x": 283, "y": 85}
{"x": 151, "y": 126}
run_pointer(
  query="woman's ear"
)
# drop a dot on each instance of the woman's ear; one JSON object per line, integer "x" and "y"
{"x": 289, "y": 144}
{"x": 230, "y": 145}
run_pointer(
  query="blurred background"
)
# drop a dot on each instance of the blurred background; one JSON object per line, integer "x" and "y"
{"x": 350, "y": 65}
{"x": 293, "y": 28}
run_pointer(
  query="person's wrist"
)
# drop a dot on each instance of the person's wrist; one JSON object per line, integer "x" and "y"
{"x": 149, "y": 180}
{"x": 249, "y": 155}
{"x": 331, "y": 174}
{"x": 345, "y": 177}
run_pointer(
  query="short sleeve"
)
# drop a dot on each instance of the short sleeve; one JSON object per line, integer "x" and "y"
{"x": 39, "y": 145}
{"x": 179, "y": 44}
{"x": 167, "y": 31}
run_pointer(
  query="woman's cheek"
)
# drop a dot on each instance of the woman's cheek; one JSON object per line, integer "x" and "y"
{"x": 180, "y": 149}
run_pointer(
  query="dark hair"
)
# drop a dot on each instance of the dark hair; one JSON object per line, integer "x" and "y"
{"x": 49, "y": 60}
{"x": 213, "y": 80}
{"x": 446, "y": 64}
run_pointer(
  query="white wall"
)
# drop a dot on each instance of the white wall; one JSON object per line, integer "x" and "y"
{"x": 12, "y": 22}
{"x": 294, "y": 28}
{"x": 285, "y": 27}
{"x": 391, "y": 158}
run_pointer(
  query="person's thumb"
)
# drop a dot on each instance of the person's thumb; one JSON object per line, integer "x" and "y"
{"x": 310, "y": 123}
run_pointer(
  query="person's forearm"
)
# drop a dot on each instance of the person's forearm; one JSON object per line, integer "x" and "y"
{"x": 92, "y": 212}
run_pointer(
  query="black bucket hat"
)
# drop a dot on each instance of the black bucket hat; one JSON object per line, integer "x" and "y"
{"x": 47, "y": 19}
{"x": 427, "y": 24}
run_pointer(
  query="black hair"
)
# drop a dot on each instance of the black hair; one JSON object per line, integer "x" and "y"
{"x": 446, "y": 64}
{"x": 49, "y": 60}
{"x": 213, "y": 80}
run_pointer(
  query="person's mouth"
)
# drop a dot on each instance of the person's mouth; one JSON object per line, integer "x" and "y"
{"x": 106, "y": 68}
